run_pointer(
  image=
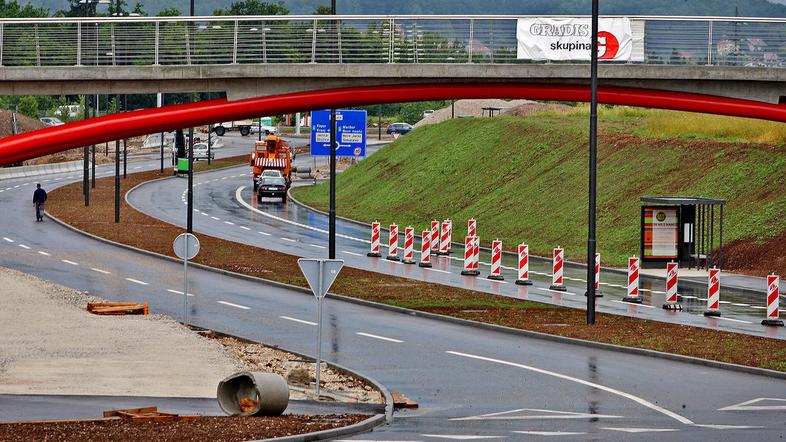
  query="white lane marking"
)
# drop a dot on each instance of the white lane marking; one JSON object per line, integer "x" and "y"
{"x": 24, "y": 246}
{"x": 353, "y": 253}
{"x": 284, "y": 220}
{"x": 243, "y": 307}
{"x": 734, "y": 320}
{"x": 70, "y": 262}
{"x": 178, "y": 292}
{"x": 550, "y": 433}
{"x": 688, "y": 297}
{"x": 640, "y": 430}
{"x": 137, "y": 167}
{"x": 633, "y": 398}
{"x": 301, "y": 321}
{"x": 229, "y": 222}
{"x": 264, "y": 233}
{"x": 724, "y": 302}
{"x": 244, "y": 228}
{"x": 759, "y": 307}
{"x": 496, "y": 281}
{"x": 746, "y": 406}
{"x": 104, "y": 272}
{"x": 659, "y": 292}
{"x": 7, "y": 239}
{"x": 217, "y": 219}
{"x": 461, "y": 436}
{"x": 549, "y": 414}
{"x": 288, "y": 239}
{"x": 203, "y": 213}
{"x": 740, "y": 304}
{"x": 16, "y": 187}
{"x": 136, "y": 281}
{"x": 317, "y": 246}
{"x": 632, "y": 303}
{"x": 726, "y": 427}
{"x": 554, "y": 291}
{"x": 436, "y": 270}
{"x": 41, "y": 252}
{"x": 382, "y": 338}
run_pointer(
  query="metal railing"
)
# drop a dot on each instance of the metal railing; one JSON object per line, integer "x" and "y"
{"x": 150, "y": 41}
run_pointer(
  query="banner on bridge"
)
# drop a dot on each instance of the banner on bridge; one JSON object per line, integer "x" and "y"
{"x": 569, "y": 39}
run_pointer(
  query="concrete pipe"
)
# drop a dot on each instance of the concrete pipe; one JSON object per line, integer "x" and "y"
{"x": 253, "y": 394}
{"x": 304, "y": 169}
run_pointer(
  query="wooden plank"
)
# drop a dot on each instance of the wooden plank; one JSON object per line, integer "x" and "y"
{"x": 131, "y": 411}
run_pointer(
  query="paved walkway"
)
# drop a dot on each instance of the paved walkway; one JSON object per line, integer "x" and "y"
{"x": 728, "y": 279}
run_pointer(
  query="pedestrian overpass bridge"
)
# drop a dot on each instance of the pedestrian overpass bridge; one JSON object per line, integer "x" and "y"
{"x": 252, "y": 56}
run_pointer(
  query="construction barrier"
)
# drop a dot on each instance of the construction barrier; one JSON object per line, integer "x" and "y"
{"x": 523, "y": 278}
{"x": 425, "y": 249}
{"x": 773, "y": 293}
{"x": 450, "y": 235}
{"x": 435, "y": 235}
{"x": 672, "y": 278}
{"x": 557, "y": 268}
{"x": 633, "y": 281}
{"x": 496, "y": 261}
{"x": 443, "y": 239}
{"x": 374, "y": 253}
{"x": 471, "y": 227}
{"x": 469, "y": 257}
{"x": 409, "y": 245}
{"x": 393, "y": 244}
{"x": 476, "y": 253}
{"x": 713, "y": 293}
{"x": 598, "y": 293}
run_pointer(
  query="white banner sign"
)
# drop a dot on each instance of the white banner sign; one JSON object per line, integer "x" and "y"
{"x": 569, "y": 39}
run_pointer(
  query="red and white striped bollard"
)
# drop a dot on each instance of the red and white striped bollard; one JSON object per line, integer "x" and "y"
{"x": 409, "y": 245}
{"x": 713, "y": 293}
{"x": 469, "y": 257}
{"x": 443, "y": 239}
{"x": 557, "y": 269}
{"x": 773, "y": 302}
{"x": 523, "y": 277}
{"x": 672, "y": 279}
{"x": 476, "y": 254}
{"x": 425, "y": 249}
{"x": 374, "y": 253}
{"x": 435, "y": 235}
{"x": 450, "y": 235}
{"x": 496, "y": 261}
{"x": 393, "y": 243}
{"x": 633, "y": 281}
{"x": 471, "y": 227}
{"x": 598, "y": 293}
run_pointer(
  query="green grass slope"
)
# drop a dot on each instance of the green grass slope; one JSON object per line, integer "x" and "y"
{"x": 525, "y": 179}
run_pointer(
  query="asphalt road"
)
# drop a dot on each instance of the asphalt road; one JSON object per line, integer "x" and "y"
{"x": 470, "y": 383}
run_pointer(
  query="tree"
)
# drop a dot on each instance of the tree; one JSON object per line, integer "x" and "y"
{"x": 28, "y": 106}
{"x": 253, "y": 7}
{"x": 323, "y": 10}
{"x": 11, "y": 9}
{"x": 169, "y": 12}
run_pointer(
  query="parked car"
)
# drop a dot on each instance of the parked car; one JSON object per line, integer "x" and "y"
{"x": 50, "y": 121}
{"x": 200, "y": 152}
{"x": 272, "y": 187}
{"x": 402, "y": 128}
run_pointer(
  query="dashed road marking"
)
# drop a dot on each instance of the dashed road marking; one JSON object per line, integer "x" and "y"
{"x": 264, "y": 233}
{"x": 382, "y": 338}
{"x": 229, "y": 222}
{"x": 104, "y": 272}
{"x": 244, "y": 228}
{"x": 317, "y": 246}
{"x": 301, "y": 321}
{"x": 70, "y": 262}
{"x": 217, "y": 219}
{"x": 24, "y": 246}
{"x": 640, "y": 430}
{"x": 243, "y": 307}
{"x": 41, "y": 252}
{"x": 136, "y": 281}
{"x": 352, "y": 253}
{"x": 7, "y": 239}
{"x": 178, "y": 292}
{"x": 288, "y": 239}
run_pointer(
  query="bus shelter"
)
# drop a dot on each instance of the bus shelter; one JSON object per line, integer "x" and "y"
{"x": 682, "y": 229}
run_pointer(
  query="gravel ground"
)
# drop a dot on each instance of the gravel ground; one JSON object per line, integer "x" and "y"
{"x": 471, "y": 108}
{"x": 51, "y": 345}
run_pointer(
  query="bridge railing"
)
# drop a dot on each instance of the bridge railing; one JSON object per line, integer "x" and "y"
{"x": 150, "y": 41}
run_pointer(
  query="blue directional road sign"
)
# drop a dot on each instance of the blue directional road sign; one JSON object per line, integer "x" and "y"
{"x": 350, "y": 132}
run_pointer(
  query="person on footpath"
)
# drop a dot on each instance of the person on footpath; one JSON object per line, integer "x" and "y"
{"x": 39, "y": 198}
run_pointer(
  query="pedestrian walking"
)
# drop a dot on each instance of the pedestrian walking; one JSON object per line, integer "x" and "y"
{"x": 39, "y": 198}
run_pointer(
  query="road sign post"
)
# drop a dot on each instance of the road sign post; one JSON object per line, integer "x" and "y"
{"x": 186, "y": 247}
{"x": 320, "y": 274}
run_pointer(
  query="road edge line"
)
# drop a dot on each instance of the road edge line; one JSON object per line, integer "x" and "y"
{"x": 466, "y": 322}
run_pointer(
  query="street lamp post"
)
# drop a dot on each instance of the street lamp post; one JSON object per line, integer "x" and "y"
{"x": 593, "y": 152}
{"x": 333, "y": 142}
{"x": 190, "y": 201}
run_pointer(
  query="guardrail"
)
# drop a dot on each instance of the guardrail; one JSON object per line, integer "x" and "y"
{"x": 153, "y": 41}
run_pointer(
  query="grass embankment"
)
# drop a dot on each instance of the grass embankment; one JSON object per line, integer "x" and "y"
{"x": 140, "y": 230}
{"x": 525, "y": 179}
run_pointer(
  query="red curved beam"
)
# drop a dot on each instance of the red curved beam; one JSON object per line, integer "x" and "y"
{"x": 129, "y": 124}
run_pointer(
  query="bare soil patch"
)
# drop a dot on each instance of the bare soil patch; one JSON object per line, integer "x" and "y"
{"x": 140, "y": 230}
{"x": 206, "y": 428}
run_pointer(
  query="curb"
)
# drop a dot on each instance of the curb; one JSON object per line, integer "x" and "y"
{"x": 684, "y": 281}
{"x": 354, "y": 429}
{"x": 8, "y": 173}
{"x": 459, "y": 321}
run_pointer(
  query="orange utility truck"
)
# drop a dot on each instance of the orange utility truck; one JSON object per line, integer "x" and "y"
{"x": 272, "y": 154}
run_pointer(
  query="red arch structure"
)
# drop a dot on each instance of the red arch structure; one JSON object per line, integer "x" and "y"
{"x": 128, "y": 124}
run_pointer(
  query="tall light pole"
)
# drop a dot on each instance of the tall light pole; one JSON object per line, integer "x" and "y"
{"x": 333, "y": 142}
{"x": 190, "y": 201}
{"x": 593, "y": 166}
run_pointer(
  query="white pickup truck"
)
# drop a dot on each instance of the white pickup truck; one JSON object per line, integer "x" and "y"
{"x": 246, "y": 127}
